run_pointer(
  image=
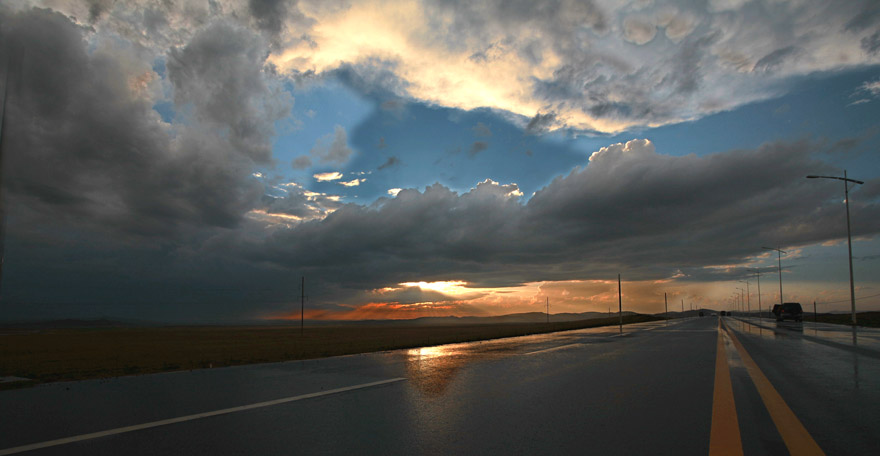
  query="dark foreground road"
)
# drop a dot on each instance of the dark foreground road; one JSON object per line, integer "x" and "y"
{"x": 689, "y": 387}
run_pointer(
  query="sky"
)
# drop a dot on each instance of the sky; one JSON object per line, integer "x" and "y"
{"x": 194, "y": 161}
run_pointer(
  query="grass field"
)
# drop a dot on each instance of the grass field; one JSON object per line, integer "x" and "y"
{"x": 77, "y": 354}
{"x": 870, "y": 319}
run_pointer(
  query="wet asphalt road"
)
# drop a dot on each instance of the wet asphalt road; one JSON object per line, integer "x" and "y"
{"x": 578, "y": 392}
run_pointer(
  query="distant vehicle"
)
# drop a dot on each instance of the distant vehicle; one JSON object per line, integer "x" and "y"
{"x": 701, "y": 313}
{"x": 723, "y": 313}
{"x": 788, "y": 310}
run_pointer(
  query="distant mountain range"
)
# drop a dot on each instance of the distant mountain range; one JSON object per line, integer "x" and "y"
{"x": 526, "y": 317}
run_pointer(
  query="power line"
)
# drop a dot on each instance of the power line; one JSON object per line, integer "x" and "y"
{"x": 847, "y": 300}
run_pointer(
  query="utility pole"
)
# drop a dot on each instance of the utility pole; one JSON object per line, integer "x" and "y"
{"x": 748, "y": 295}
{"x": 814, "y": 311}
{"x": 741, "y": 299}
{"x": 852, "y": 287}
{"x": 548, "y": 310}
{"x": 779, "y": 258}
{"x": 3, "y": 142}
{"x": 302, "y": 307}
{"x": 682, "y": 307}
{"x": 758, "y": 275}
{"x": 666, "y": 307}
{"x": 619, "y": 304}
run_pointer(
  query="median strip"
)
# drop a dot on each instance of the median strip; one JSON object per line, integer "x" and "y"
{"x": 181, "y": 419}
{"x": 793, "y": 432}
{"x": 724, "y": 437}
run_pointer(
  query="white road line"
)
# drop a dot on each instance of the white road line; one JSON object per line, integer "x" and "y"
{"x": 552, "y": 349}
{"x": 686, "y": 330}
{"x": 181, "y": 419}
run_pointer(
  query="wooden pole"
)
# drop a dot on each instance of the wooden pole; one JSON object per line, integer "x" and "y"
{"x": 619, "y": 304}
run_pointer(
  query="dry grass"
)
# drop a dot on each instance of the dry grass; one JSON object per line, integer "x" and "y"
{"x": 77, "y": 354}
{"x": 870, "y": 319}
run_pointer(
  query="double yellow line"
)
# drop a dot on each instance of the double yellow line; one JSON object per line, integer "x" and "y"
{"x": 724, "y": 438}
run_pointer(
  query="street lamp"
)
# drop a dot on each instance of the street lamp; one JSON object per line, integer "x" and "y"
{"x": 779, "y": 258}
{"x": 758, "y": 275}
{"x": 741, "y": 301}
{"x": 852, "y": 288}
{"x": 748, "y": 294}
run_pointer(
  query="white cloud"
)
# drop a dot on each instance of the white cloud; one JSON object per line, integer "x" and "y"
{"x": 326, "y": 177}
{"x": 574, "y": 60}
{"x": 638, "y": 30}
{"x": 394, "y": 191}
{"x": 352, "y": 183}
{"x": 871, "y": 87}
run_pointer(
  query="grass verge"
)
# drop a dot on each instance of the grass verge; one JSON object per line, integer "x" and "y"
{"x": 86, "y": 353}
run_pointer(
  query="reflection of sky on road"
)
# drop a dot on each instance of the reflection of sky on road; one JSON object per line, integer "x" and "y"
{"x": 863, "y": 337}
{"x": 432, "y": 369}
{"x": 828, "y": 366}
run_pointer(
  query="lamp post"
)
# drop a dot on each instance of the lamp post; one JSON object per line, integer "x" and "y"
{"x": 852, "y": 288}
{"x": 741, "y": 300}
{"x": 779, "y": 258}
{"x": 758, "y": 275}
{"x": 748, "y": 295}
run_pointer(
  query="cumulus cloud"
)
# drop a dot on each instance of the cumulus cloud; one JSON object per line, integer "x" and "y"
{"x": 574, "y": 59}
{"x": 352, "y": 183}
{"x": 638, "y": 30}
{"x": 97, "y": 151}
{"x": 577, "y": 59}
{"x": 331, "y": 176}
{"x": 95, "y": 169}
{"x": 219, "y": 73}
{"x": 631, "y": 208}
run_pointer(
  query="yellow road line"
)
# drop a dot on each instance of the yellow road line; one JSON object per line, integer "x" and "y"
{"x": 724, "y": 438}
{"x": 793, "y": 433}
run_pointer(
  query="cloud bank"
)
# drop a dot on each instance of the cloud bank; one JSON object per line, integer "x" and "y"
{"x": 135, "y": 128}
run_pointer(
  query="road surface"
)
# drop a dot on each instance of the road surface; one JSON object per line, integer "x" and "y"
{"x": 695, "y": 386}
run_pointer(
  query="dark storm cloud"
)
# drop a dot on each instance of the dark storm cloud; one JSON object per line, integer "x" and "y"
{"x": 219, "y": 72}
{"x": 97, "y": 8}
{"x": 272, "y": 16}
{"x": 93, "y": 152}
{"x": 92, "y": 148}
{"x": 269, "y": 14}
{"x": 105, "y": 200}
{"x": 630, "y": 209}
